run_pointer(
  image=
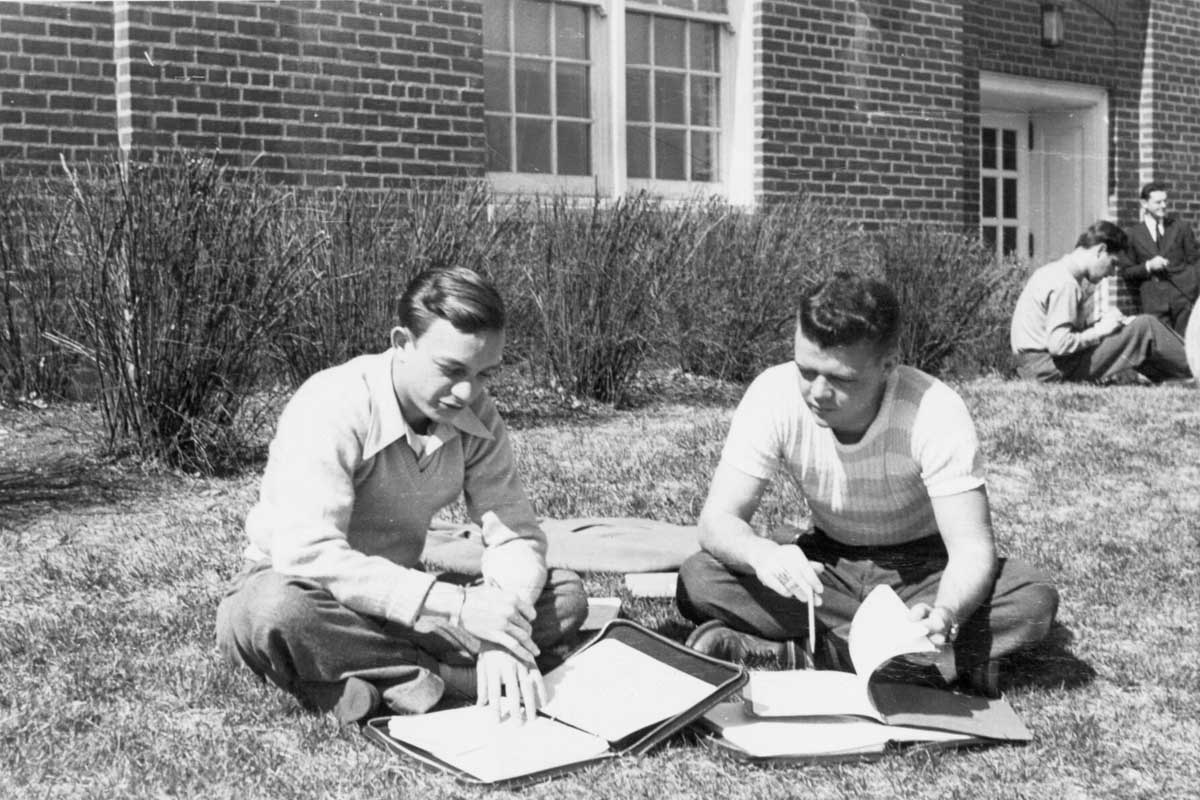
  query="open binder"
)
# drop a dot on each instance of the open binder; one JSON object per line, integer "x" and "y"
{"x": 827, "y": 715}
{"x": 624, "y": 692}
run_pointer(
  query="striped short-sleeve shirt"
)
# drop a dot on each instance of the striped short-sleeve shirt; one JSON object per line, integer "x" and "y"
{"x": 876, "y": 491}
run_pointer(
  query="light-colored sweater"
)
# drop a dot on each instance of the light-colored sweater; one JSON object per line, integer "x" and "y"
{"x": 349, "y": 492}
{"x": 1049, "y": 316}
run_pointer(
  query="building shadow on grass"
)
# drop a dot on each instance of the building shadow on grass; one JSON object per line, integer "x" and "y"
{"x": 30, "y": 491}
{"x": 1048, "y": 665}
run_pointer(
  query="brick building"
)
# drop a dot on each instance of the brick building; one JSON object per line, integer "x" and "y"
{"x": 957, "y": 112}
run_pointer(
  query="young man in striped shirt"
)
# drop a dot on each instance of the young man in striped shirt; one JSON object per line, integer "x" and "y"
{"x": 888, "y": 461}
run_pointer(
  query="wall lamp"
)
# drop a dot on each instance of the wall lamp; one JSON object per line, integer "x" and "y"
{"x": 1053, "y": 28}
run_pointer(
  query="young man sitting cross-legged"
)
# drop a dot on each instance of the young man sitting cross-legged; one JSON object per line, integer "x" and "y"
{"x": 888, "y": 461}
{"x": 333, "y": 605}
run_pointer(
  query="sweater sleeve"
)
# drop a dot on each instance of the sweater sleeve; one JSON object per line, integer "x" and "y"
{"x": 302, "y": 519}
{"x": 514, "y": 557}
{"x": 1063, "y": 336}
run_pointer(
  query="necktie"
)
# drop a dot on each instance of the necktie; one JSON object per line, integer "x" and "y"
{"x": 1158, "y": 239}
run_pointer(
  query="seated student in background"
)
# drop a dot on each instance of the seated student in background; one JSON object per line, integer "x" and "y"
{"x": 1052, "y": 340}
{"x": 333, "y": 605}
{"x": 889, "y": 464}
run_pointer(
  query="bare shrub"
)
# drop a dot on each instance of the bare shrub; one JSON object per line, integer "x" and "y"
{"x": 34, "y": 287}
{"x": 187, "y": 274}
{"x": 956, "y": 298}
{"x": 733, "y": 310}
{"x": 595, "y": 278}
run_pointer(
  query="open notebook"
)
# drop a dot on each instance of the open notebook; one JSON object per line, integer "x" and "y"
{"x": 813, "y": 714}
{"x": 623, "y": 693}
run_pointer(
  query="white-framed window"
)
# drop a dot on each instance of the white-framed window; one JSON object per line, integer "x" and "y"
{"x": 608, "y": 96}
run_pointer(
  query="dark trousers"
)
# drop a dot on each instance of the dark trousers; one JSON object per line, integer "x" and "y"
{"x": 1144, "y": 344}
{"x": 1017, "y": 613}
{"x": 294, "y": 633}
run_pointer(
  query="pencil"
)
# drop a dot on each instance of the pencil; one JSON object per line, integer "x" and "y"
{"x": 812, "y": 626}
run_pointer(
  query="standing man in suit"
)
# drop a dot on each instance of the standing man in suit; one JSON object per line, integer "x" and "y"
{"x": 1162, "y": 259}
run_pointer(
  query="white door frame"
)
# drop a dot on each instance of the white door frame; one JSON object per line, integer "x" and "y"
{"x": 1038, "y": 100}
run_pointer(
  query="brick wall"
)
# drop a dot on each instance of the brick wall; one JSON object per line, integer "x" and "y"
{"x": 358, "y": 93}
{"x": 56, "y": 84}
{"x": 861, "y": 105}
{"x": 1170, "y": 130}
{"x": 363, "y": 93}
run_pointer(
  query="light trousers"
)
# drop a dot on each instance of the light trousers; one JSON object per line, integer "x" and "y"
{"x": 1143, "y": 344}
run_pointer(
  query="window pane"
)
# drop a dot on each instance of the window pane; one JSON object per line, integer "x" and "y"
{"x": 495, "y": 25}
{"x": 668, "y": 42}
{"x": 704, "y": 101}
{"x": 669, "y": 154}
{"x": 573, "y": 149}
{"x": 637, "y": 95}
{"x": 637, "y": 151}
{"x": 688, "y": 4}
{"x": 1010, "y": 240}
{"x": 570, "y": 31}
{"x": 532, "y": 27}
{"x": 989, "y": 237}
{"x": 637, "y": 39}
{"x": 1010, "y": 198}
{"x": 572, "y": 90}
{"x": 495, "y": 83}
{"x": 712, "y": 6}
{"x": 533, "y": 145}
{"x": 987, "y": 155}
{"x": 499, "y": 144}
{"x": 988, "y": 191}
{"x": 703, "y": 54}
{"x": 533, "y": 86}
{"x": 704, "y": 163}
{"x": 1010, "y": 149}
{"x": 668, "y": 97}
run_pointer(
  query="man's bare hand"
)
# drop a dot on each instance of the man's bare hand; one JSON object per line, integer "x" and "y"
{"x": 787, "y": 571}
{"x": 501, "y": 618}
{"x": 1157, "y": 264}
{"x": 1109, "y": 322}
{"x": 507, "y": 685}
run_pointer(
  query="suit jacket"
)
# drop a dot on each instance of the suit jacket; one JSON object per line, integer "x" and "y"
{"x": 1160, "y": 291}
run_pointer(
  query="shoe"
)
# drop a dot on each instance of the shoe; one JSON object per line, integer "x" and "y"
{"x": 348, "y": 701}
{"x": 716, "y": 639}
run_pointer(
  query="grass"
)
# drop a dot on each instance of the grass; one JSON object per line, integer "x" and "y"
{"x": 110, "y": 687}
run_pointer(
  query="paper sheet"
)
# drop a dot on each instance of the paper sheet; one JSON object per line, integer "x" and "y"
{"x": 813, "y": 736}
{"x": 881, "y": 630}
{"x": 808, "y": 693}
{"x": 473, "y": 740}
{"x": 612, "y": 690}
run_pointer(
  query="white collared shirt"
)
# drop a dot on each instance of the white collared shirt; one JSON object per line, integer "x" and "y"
{"x": 1151, "y": 225}
{"x": 349, "y": 491}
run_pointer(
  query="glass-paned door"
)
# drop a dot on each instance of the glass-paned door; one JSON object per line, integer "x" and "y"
{"x": 1003, "y": 183}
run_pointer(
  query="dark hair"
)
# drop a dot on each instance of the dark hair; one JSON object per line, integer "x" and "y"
{"x": 847, "y": 308}
{"x": 465, "y": 299}
{"x": 1105, "y": 233}
{"x": 1151, "y": 187}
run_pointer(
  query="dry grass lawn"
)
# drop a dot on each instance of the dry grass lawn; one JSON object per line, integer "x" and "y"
{"x": 110, "y": 686}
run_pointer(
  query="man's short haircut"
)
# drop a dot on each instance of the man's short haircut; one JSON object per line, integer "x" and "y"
{"x": 847, "y": 308}
{"x": 1151, "y": 187}
{"x": 1105, "y": 233}
{"x": 464, "y": 298}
